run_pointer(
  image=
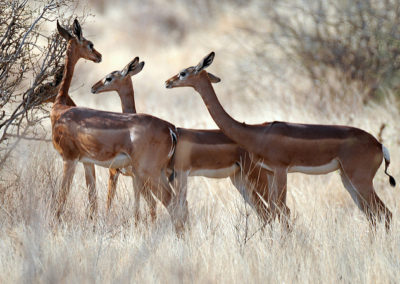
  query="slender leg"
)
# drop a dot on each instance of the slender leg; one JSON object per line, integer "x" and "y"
{"x": 163, "y": 191}
{"x": 178, "y": 211}
{"x": 260, "y": 182}
{"x": 137, "y": 189}
{"x": 238, "y": 179}
{"x": 180, "y": 202}
{"x": 357, "y": 177}
{"x": 279, "y": 195}
{"x": 90, "y": 176}
{"x": 253, "y": 192}
{"x": 151, "y": 203}
{"x": 112, "y": 186}
{"x": 68, "y": 174}
{"x": 245, "y": 189}
{"x": 142, "y": 187}
{"x": 381, "y": 208}
{"x": 260, "y": 195}
{"x": 368, "y": 201}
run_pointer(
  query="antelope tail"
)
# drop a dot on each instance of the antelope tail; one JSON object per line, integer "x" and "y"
{"x": 386, "y": 156}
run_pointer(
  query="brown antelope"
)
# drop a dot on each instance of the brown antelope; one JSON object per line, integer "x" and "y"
{"x": 120, "y": 81}
{"x": 207, "y": 153}
{"x": 108, "y": 139}
{"x": 283, "y": 148}
{"x": 49, "y": 92}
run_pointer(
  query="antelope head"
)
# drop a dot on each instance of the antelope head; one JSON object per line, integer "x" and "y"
{"x": 116, "y": 80}
{"x": 188, "y": 77}
{"x": 77, "y": 44}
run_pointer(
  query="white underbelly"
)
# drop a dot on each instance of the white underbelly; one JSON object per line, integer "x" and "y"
{"x": 119, "y": 161}
{"x": 310, "y": 170}
{"x": 215, "y": 173}
{"x": 316, "y": 170}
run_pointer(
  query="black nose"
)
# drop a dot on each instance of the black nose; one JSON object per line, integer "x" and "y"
{"x": 168, "y": 85}
{"x": 93, "y": 90}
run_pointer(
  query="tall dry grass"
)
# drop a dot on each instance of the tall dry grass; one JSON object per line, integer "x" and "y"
{"x": 330, "y": 241}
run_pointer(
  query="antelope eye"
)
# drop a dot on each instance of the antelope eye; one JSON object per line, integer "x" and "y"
{"x": 182, "y": 74}
{"x": 108, "y": 79}
{"x": 90, "y": 45}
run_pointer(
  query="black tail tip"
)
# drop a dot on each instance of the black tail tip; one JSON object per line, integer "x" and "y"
{"x": 392, "y": 181}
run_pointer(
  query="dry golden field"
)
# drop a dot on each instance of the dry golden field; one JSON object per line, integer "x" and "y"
{"x": 331, "y": 240}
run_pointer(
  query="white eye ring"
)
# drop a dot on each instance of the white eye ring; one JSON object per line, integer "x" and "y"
{"x": 182, "y": 75}
{"x": 107, "y": 80}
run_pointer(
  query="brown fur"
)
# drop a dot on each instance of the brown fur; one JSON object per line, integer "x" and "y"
{"x": 196, "y": 150}
{"x": 284, "y": 146}
{"x": 82, "y": 133}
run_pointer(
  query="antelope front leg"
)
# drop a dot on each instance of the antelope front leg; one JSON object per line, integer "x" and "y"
{"x": 138, "y": 188}
{"x": 68, "y": 174}
{"x": 112, "y": 186}
{"x": 90, "y": 176}
{"x": 151, "y": 203}
{"x": 180, "y": 200}
{"x": 278, "y": 196}
{"x": 163, "y": 191}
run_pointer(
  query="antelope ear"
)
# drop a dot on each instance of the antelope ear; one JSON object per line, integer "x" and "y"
{"x": 136, "y": 69}
{"x": 205, "y": 62}
{"x": 130, "y": 66}
{"x": 63, "y": 32}
{"x": 213, "y": 78}
{"x": 77, "y": 30}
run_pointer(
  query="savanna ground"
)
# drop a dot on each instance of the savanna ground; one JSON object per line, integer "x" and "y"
{"x": 331, "y": 240}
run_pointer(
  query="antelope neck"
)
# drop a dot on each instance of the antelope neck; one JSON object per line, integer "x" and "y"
{"x": 70, "y": 62}
{"x": 127, "y": 97}
{"x": 239, "y": 132}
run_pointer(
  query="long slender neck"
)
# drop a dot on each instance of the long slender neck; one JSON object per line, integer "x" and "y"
{"x": 70, "y": 62}
{"x": 238, "y": 132}
{"x": 127, "y": 96}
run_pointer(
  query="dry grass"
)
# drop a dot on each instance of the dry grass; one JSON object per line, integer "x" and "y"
{"x": 330, "y": 241}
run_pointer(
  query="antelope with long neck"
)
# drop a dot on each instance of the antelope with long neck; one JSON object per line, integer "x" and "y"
{"x": 207, "y": 153}
{"x": 120, "y": 81}
{"x": 108, "y": 139}
{"x": 77, "y": 47}
{"x": 282, "y": 147}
